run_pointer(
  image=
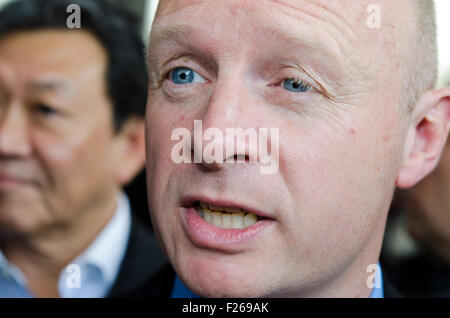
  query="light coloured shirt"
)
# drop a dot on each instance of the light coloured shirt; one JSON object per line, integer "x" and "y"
{"x": 378, "y": 290}
{"x": 92, "y": 273}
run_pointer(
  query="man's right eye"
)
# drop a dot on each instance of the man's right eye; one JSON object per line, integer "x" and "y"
{"x": 44, "y": 110}
{"x": 184, "y": 75}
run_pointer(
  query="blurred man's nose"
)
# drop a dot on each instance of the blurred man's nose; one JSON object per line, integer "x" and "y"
{"x": 14, "y": 132}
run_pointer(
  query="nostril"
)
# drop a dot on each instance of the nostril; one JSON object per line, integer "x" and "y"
{"x": 241, "y": 158}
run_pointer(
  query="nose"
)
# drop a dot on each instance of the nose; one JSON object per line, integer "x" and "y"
{"x": 228, "y": 130}
{"x": 14, "y": 134}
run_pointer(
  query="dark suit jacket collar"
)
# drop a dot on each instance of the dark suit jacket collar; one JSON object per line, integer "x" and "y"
{"x": 143, "y": 258}
{"x": 389, "y": 290}
{"x": 159, "y": 285}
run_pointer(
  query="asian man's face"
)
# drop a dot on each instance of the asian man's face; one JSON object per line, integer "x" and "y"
{"x": 323, "y": 78}
{"x": 58, "y": 151}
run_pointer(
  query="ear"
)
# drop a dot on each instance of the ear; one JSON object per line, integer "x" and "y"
{"x": 129, "y": 150}
{"x": 427, "y": 134}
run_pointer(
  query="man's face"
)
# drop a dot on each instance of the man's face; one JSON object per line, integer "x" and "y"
{"x": 56, "y": 134}
{"x": 319, "y": 75}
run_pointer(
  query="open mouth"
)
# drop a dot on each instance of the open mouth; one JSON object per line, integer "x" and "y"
{"x": 226, "y": 217}
{"x": 222, "y": 225}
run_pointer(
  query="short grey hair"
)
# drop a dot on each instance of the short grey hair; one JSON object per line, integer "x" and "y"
{"x": 423, "y": 57}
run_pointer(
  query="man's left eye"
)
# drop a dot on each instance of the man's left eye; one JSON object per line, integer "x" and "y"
{"x": 296, "y": 85}
{"x": 184, "y": 75}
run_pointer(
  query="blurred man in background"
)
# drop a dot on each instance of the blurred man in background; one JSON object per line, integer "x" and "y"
{"x": 72, "y": 103}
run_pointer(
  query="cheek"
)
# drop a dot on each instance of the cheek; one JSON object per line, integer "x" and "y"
{"x": 158, "y": 147}
{"x": 163, "y": 175}
{"x": 70, "y": 161}
{"x": 340, "y": 182}
{"x": 159, "y": 168}
{"x": 161, "y": 120}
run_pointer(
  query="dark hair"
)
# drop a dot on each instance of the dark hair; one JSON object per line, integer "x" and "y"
{"x": 115, "y": 28}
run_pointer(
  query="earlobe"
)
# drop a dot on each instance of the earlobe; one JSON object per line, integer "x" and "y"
{"x": 429, "y": 128}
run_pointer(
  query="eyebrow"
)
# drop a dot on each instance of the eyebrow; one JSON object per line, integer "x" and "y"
{"x": 177, "y": 33}
{"x": 57, "y": 85}
{"x": 294, "y": 40}
{"x": 52, "y": 84}
{"x": 49, "y": 85}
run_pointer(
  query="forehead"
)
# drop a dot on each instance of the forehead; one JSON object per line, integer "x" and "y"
{"x": 350, "y": 12}
{"x": 32, "y": 54}
{"x": 338, "y": 7}
{"x": 167, "y": 7}
{"x": 266, "y": 11}
{"x": 346, "y": 22}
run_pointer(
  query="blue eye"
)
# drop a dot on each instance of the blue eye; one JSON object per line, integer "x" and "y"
{"x": 184, "y": 75}
{"x": 296, "y": 85}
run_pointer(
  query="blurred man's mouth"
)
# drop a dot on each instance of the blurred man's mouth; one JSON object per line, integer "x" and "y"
{"x": 222, "y": 225}
{"x": 7, "y": 181}
{"x": 17, "y": 175}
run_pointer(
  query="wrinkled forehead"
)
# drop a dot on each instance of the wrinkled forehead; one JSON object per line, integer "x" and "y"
{"x": 353, "y": 17}
{"x": 167, "y": 7}
{"x": 351, "y": 11}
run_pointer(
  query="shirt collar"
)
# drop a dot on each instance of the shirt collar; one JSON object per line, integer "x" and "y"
{"x": 105, "y": 254}
{"x": 108, "y": 249}
{"x": 181, "y": 291}
{"x": 377, "y": 290}
{"x": 10, "y": 268}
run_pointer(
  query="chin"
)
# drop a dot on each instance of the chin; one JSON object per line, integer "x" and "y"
{"x": 20, "y": 219}
{"x": 16, "y": 224}
{"x": 217, "y": 277}
{"x": 223, "y": 289}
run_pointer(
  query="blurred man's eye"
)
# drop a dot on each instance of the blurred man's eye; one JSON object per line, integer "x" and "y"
{"x": 296, "y": 85}
{"x": 184, "y": 75}
{"x": 44, "y": 109}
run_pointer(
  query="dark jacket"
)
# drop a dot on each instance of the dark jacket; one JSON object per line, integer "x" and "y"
{"x": 389, "y": 290}
{"x": 143, "y": 258}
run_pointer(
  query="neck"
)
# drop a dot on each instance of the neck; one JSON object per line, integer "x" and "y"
{"x": 42, "y": 255}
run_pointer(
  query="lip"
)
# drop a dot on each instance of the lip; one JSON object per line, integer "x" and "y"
{"x": 204, "y": 234}
{"x": 7, "y": 181}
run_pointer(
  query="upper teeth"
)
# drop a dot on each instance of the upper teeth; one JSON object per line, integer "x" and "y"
{"x": 226, "y": 217}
